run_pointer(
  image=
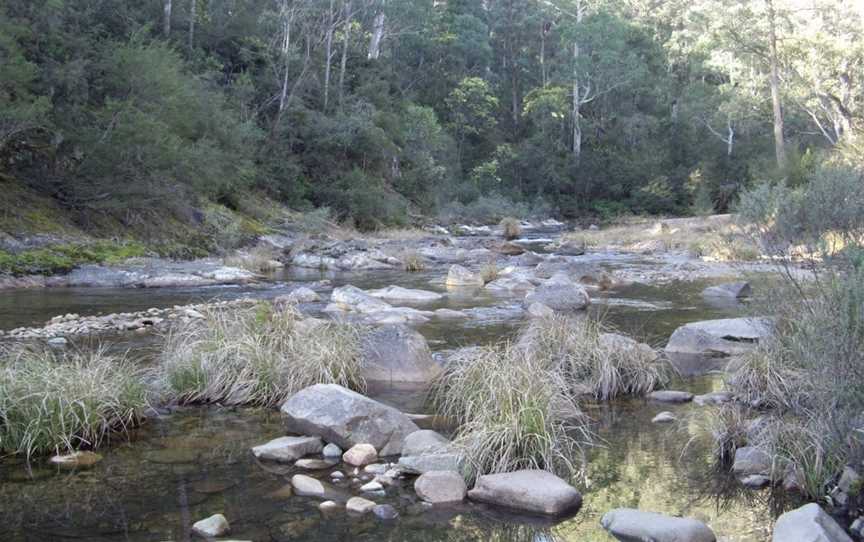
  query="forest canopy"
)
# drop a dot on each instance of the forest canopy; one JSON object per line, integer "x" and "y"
{"x": 383, "y": 109}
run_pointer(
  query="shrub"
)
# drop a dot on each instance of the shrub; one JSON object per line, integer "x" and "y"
{"x": 413, "y": 261}
{"x": 257, "y": 356}
{"x": 511, "y": 227}
{"x": 57, "y": 402}
{"x": 260, "y": 259}
{"x": 489, "y": 272}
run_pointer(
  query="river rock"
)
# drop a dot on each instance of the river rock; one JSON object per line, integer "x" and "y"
{"x": 733, "y": 290}
{"x": 397, "y": 293}
{"x": 459, "y": 276}
{"x": 331, "y": 450}
{"x": 327, "y": 507}
{"x": 510, "y": 249}
{"x": 215, "y": 525}
{"x": 539, "y": 310}
{"x": 441, "y": 487}
{"x": 808, "y": 524}
{"x": 372, "y": 487}
{"x": 755, "y": 481}
{"x": 559, "y": 293}
{"x": 397, "y": 353}
{"x": 535, "y": 491}
{"x": 510, "y": 284}
{"x": 751, "y": 460}
{"x": 725, "y": 337}
{"x": 346, "y": 418}
{"x": 300, "y": 295}
{"x": 287, "y": 449}
{"x": 385, "y": 511}
{"x": 569, "y": 248}
{"x": 664, "y": 417}
{"x": 427, "y": 450}
{"x": 77, "y": 459}
{"x": 359, "y": 505}
{"x": 313, "y": 464}
{"x": 351, "y": 298}
{"x": 671, "y": 396}
{"x": 714, "y": 398}
{"x": 360, "y": 455}
{"x": 631, "y": 346}
{"x": 629, "y": 525}
{"x": 308, "y": 486}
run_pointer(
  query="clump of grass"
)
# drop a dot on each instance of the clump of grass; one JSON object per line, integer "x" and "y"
{"x": 591, "y": 360}
{"x": 64, "y": 258}
{"x": 413, "y": 262}
{"x": 259, "y": 259}
{"x": 489, "y": 272}
{"x": 511, "y": 227}
{"x": 54, "y": 402}
{"x": 257, "y": 356}
{"x": 512, "y": 411}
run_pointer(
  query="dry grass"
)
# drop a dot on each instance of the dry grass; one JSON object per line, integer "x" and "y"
{"x": 489, "y": 272}
{"x": 401, "y": 234}
{"x": 260, "y": 259}
{"x": 257, "y": 356}
{"x": 54, "y": 402}
{"x": 511, "y": 228}
{"x": 412, "y": 261}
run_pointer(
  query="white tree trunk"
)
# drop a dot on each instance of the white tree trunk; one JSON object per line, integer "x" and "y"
{"x": 193, "y": 8}
{"x": 166, "y": 19}
{"x": 776, "y": 104}
{"x": 328, "y": 55}
{"x": 343, "y": 65}
{"x": 378, "y": 29}
{"x": 577, "y": 104}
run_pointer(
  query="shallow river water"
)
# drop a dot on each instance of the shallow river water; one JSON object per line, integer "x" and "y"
{"x": 196, "y": 462}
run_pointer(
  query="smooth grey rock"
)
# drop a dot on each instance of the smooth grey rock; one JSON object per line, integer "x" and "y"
{"x": 449, "y": 314}
{"x": 427, "y": 450}
{"x": 441, "y": 487}
{"x": 629, "y": 525}
{"x": 328, "y": 506}
{"x": 724, "y": 337}
{"x": 314, "y": 464}
{"x": 308, "y": 486}
{"x": 385, "y": 511}
{"x": 346, "y": 418}
{"x": 755, "y": 481}
{"x": 510, "y": 284}
{"x": 808, "y": 524}
{"x": 626, "y": 344}
{"x": 459, "y": 276}
{"x": 714, "y": 398}
{"x": 734, "y": 290}
{"x": 351, "y": 298}
{"x": 398, "y": 293}
{"x": 360, "y": 455}
{"x": 397, "y": 353}
{"x": 671, "y": 396}
{"x": 302, "y": 295}
{"x": 287, "y": 449}
{"x": 331, "y": 450}
{"x": 535, "y": 491}
{"x": 215, "y": 525}
{"x": 559, "y": 293}
{"x": 359, "y": 505}
{"x": 539, "y": 310}
{"x": 751, "y": 460}
{"x": 372, "y": 487}
{"x": 664, "y": 417}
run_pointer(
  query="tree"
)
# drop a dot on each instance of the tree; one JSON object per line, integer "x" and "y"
{"x": 471, "y": 105}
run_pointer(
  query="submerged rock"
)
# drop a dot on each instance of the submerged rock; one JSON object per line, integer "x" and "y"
{"x": 308, "y": 486}
{"x": 346, "y": 418}
{"x": 351, "y": 298}
{"x": 397, "y": 353}
{"x": 397, "y": 293}
{"x": 287, "y": 449}
{"x": 441, "y": 487}
{"x": 725, "y": 337}
{"x": 733, "y": 290}
{"x": 536, "y": 491}
{"x": 664, "y": 417}
{"x": 215, "y": 525}
{"x": 671, "y": 396}
{"x": 77, "y": 459}
{"x": 714, "y": 398}
{"x": 629, "y": 525}
{"x": 459, "y": 276}
{"x": 559, "y": 293}
{"x": 808, "y": 524}
{"x": 385, "y": 511}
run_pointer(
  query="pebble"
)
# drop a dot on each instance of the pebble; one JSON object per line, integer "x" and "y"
{"x": 385, "y": 512}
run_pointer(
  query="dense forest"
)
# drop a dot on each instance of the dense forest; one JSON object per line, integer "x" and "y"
{"x": 383, "y": 110}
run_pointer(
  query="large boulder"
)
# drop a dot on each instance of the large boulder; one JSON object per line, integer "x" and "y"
{"x": 730, "y": 290}
{"x": 534, "y": 491}
{"x": 725, "y": 337}
{"x": 629, "y": 525}
{"x": 346, "y": 418}
{"x": 459, "y": 276}
{"x": 398, "y": 293}
{"x": 441, "y": 487}
{"x": 427, "y": 450}
{"x": 808, "y": 524}
{"x": 397, "y": 353}
{"x": 559, "y": 293}
{"x": 351, "y": 298}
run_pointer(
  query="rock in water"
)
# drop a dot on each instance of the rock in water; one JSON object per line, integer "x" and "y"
{"x": 215, "y": 525}
{"x": 359, "y": 505}
{"x": 808, "y": 524}
{"x": 427, "y": 450}
{"x": 536, "y": 491}
{"x": 397, "y": 353}
{"x": 287, "y": 449}
{"x": 400, "y": 294}
{"x": 385, "y": 512}
{"x": 351, "y": 298}
{"x": 629, "y": 525}
{"x": 725, "y": 337}
{"x": 331, "y": 450}
{"x": 360, "y": 455}
{"x": 308, "y": 486}
{"x": 347, "y": 418}
{"x": 751, "y": 460}
{"x": 664, "y": 417}
{"x": 77, "y": 459}
{"x": 671, "y": 396}
{"x": 734, "y": 290}
{"x": 441, "y": 487}
{"x": 459, "y": 276}
{"x": 559, "y": 293}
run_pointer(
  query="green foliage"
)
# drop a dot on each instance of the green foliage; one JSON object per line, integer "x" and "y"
{"x": 63, "y": 258}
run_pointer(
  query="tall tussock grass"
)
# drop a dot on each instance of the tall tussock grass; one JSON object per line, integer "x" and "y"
{"x": 511, "y": 228}
{"x": 57, "y": 402}
{"x": 257, "y": 356}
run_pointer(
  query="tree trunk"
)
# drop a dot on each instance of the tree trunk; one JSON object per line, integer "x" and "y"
{"x": 577, "y": 103}
{"x": 193, "y": 8}
{"x": 730, "y": 138}
{"x": 328, "y": 55}
{"x": 166, "y": 20}
{"x": 776, "y": 104}
{"x": 378, "y": 28}
{"x": 343, "y": 65}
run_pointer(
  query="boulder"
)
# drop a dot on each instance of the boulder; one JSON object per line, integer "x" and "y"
{"x": 331, "y": 450}
{"x": 426, "y": 450}
{"x": 539, "y": 310}
{"x": 346, "y": 418}
{"x": 622, "y": 342}
{"x": 629, "y": 525}
{"x": 733, "y": 290}
{"x": 360, "y": 455}
{"x": 215, "y": 525}
{"x": 458, "y": 276}
{"x": 397, "y": 353}
{"x": 441, "y": 487}
{"x": 755, "y": 481}
{"x": 287, "y": 449}
{"x": 351, "y": 298}
{"x": 314, "y": 464}
{"x": 559, "y": 293}
{"x": 569, "y": 248}
{"x": 671, "y": 396}
{"x": 359, "y": 505}
{"x": 725, "y": 337}
{"x": 808, "y": 524}
{"x": 510, "y": 249}
{"x": 534, "y": 491}
{"x": 510, "y": 284}
{"x": 397, "y": 293}
{"x": 751, "y": 460}
{"x": 300, "y": 295}
{"x": 308, "y": 486}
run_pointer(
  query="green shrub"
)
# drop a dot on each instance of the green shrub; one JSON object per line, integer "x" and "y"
{"x": 64, "y": 258}
{"x": 58, "y": 402}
